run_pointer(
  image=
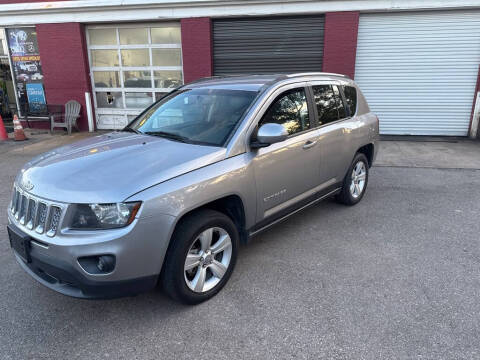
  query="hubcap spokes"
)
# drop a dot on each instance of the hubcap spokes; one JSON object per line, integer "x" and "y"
{"x": 208, "y": 259}
{"x": 359, "y": 175}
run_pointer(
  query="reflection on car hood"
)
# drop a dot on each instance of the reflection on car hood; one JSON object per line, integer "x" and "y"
{"x": 112, "y": 167}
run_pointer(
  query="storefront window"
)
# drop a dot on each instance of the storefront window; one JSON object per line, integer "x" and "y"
{"x": 103, "y": 36}
{"x": 105, "y": 58}
{"x": 133, "y": 36}
{"x": 131, "y": 68}
{"x": 7, "y": 92}
{"x": 135, "y": 79}
{"x": 106, "y": 79}
{"x": 137, "y": 57}
{"x": 166, "y": 57}
{"x": 166, "y": 35}
{"x": 137, "y": 100}
{"x": 109, "y": 99}
{"x": 167, "y": 79}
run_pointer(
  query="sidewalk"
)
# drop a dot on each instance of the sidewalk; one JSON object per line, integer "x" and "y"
{"x": 39, "y": 141}
{"x": 446, "y": 154}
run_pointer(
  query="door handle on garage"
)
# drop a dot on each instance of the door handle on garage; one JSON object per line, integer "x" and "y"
{"x": 309, "y": 144}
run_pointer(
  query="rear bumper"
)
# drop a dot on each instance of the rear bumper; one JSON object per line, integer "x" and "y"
{"x": 61, "y": 277}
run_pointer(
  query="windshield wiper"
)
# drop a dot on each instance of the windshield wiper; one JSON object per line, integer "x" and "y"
{"x": 168, "y": 135}
{"x": 129, "y": 129}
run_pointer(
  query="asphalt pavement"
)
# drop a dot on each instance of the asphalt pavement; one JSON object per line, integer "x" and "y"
{"x": 395, "y": 277}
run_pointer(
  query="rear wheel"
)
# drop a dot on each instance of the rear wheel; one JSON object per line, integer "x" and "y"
{"x": 201, "y": 256}
{"x": 355, "y": 182}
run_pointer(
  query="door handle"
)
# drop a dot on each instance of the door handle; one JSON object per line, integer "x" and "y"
{"x": 310, "y": 144}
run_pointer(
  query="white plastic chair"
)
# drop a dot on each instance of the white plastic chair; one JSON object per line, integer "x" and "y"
{"x": 72, "y": 113}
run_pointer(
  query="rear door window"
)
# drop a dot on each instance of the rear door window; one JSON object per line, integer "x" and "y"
{"x": 342, "y": 113}
{"x": 351, "y": 98}
{"x": 326, "y": 103}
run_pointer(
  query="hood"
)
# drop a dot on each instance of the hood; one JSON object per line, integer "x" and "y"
{"x": 111, "y": 167}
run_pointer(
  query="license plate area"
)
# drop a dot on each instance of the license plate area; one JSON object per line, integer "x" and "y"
{"x": 20, "y": 243}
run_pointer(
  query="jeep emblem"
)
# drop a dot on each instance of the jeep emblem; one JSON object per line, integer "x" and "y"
{"x": 27, "y": 185}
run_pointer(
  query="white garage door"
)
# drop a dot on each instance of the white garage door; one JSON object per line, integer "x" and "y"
{"x": 418, "y": 70}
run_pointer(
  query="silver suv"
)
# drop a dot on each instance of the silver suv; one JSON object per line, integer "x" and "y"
{"x": 169, "y": 198}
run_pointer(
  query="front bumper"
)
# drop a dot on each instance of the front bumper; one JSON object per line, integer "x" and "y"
{"x": 139, "y": 250}
{"x": 59, "y": 276}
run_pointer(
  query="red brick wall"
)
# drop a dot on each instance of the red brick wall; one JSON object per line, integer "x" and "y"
{"x": 65, "y": 67}
{"x": 340, "y": 46}
{"x": 196, "y": 48}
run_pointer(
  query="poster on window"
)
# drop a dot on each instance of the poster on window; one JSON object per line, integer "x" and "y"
{"x": 36, "y": 97}
{"x": 27, "y": 68}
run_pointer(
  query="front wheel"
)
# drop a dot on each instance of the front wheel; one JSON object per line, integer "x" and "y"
{"x": 201, "y": 256}
{"x": 355, "y": 182}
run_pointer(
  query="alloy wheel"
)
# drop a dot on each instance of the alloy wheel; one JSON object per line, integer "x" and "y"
{"x": 358, "y": 179}
{"x": 208, "y": 259}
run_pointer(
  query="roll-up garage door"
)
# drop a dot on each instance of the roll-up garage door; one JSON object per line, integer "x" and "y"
{"x": 268, "y": 45}
{"x": 418, "y": 70}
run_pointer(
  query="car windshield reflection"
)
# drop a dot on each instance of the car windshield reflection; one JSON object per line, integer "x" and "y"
{"x": 201, "y": 116}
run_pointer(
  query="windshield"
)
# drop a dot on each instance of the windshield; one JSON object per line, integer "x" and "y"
{"x": 203, "y": 116}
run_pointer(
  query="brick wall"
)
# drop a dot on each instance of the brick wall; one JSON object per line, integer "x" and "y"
{"x": 65, "y": 67}
{"x": 340, "y": 44}
{"x": 196, "y": 48}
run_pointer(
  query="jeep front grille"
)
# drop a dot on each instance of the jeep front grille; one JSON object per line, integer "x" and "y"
{"x": 56, "y": 212}
{"x": 31, "y": 212}
{"x": 42, "y": 217}
{"x": 34, "y": 213}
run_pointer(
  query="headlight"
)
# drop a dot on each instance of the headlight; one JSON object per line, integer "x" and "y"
{"x": 104, "y": 216}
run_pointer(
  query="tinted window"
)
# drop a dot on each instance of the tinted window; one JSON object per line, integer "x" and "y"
{"x": 326, "y": 103}
{"x": 351, "y": 98}
{"x": 339, "y": 103}
{"x": 289, "y": 110}
{"x": 196, "y": 115}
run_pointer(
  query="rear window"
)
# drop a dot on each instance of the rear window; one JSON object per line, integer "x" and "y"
{"x": 329, "y": 103}
{"x": 351, "y": 98}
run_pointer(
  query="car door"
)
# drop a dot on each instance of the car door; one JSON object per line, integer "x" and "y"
{"x": 334, "y": 135}
{"x": 287, "y": 172}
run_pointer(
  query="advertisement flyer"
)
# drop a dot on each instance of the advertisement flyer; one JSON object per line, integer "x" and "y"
{"x": 36, "y": 97}
{"x": 27, "y": 68}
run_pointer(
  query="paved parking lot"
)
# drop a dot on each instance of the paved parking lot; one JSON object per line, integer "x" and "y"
{"x": 395, "y": 277}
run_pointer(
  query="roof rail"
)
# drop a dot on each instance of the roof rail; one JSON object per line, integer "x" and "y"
{"x": 317, "y": 73}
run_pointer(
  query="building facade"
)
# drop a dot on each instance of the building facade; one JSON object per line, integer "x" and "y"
{"x": 417, "y": 62}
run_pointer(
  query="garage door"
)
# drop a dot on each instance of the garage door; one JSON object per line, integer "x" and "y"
{"x": 268, "y": 45}
{"x": 418, "y": 70}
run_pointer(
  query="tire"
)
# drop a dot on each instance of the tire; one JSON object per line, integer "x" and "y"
{"x": 191, "y": 238}
{"x": 348, "y": 196}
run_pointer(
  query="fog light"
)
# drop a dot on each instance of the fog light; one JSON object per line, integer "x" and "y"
{"x": 105, "y": 263}
{"x": 99, "y": 264}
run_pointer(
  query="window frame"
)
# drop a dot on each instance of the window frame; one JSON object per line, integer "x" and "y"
{"x": 312, "y": 118}
{"x": 342, "y": 96}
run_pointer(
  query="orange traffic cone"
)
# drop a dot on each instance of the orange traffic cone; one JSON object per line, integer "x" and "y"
{"x": 18, "y": 129}
{"x": 3, "y": 132}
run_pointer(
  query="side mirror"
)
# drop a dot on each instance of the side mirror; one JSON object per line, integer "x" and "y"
{"x": 268, "y": 134}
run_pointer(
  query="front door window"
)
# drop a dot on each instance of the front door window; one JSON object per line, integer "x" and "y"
{"x": 291, "y": 111}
